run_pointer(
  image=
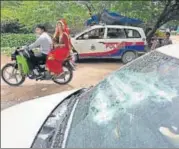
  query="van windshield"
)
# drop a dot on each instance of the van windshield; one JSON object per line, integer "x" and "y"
{"x": 136, "y": 106}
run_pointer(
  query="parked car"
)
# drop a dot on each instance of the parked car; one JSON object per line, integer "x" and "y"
{"x": 110, "y": 41}
{"x": 136, "y": 106}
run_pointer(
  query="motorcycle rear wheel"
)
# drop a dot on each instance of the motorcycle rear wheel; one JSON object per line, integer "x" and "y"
{"x": 12, "y": 75}
{"x": 63, "y": 81}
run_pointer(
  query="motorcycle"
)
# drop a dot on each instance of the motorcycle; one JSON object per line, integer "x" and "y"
{"x": 20, "y": 69}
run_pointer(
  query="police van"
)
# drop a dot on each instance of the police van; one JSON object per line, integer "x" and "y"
{"x": 110, "y": 41}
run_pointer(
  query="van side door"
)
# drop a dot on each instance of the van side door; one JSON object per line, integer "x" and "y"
{"x": 115, "y": 38}
{"x": 90, "y": 43}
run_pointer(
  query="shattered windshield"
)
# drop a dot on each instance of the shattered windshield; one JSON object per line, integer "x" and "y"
{"x": 137, "y": 106}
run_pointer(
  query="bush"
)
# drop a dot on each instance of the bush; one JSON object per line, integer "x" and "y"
{"x": 7, "y": 50}
{"x": 12, "y": 27}
{"x": 16, "y": 40}
{"x": 160, "y": 34}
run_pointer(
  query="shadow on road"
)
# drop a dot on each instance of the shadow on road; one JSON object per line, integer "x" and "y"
{"x": 13, "y": 95}
{"x": 101, "y": 60}
{"x": 30, "y": 89}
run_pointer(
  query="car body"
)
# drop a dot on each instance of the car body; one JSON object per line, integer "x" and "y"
{"x": 135, "y": 106}
{"x": 110, "y": 41}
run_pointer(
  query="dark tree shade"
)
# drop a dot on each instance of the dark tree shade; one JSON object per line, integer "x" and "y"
{"x": 169, "y": 13}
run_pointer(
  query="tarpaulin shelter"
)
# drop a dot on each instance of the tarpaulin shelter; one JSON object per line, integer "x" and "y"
{"x": 112, "y": 18}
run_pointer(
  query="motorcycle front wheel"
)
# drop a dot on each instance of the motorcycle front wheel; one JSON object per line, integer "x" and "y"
{"x": 65, "y": 77}
{"x": 11, "y": 75}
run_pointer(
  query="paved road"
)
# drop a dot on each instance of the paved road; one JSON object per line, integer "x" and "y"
{"x": 88, "y": 73}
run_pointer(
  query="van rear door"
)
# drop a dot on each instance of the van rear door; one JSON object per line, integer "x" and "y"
{"x": 135, "y": 40}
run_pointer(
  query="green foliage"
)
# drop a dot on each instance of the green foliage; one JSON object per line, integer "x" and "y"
{"x": 160, "y": 34}
{"x": 16, "y": 40}
{"x": 172, "y": 23}
{"x": 8, "y": 10}
{"x": 30, "y": 13}
{"x": 144, "y": 10}
{"x": 7, "y": 50}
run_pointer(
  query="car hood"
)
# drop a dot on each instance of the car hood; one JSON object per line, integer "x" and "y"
{"x": 21, "y": 123}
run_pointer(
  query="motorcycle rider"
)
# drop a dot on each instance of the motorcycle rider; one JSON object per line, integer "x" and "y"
{"x": 44, "y": 41}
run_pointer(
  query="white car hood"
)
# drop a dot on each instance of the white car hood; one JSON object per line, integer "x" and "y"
{"x": 170, "y": 50}
{"x": 21, "y": 123}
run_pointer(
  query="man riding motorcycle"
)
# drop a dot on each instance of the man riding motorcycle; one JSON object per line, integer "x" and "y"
{"x": 45, "y": 43}
{"x": 27, "y": 64}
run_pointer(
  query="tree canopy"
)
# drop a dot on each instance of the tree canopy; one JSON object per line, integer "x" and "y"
{"x": 29, "y": 13}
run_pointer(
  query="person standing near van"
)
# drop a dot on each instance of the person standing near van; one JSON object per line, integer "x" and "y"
{"x": 155, "y": 42}
{"x": 167, "y": 39}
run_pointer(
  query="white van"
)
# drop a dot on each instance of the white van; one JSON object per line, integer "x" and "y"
{"x": 110, "y": 41}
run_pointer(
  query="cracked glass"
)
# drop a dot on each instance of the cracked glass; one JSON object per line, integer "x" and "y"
{"x": 136, "y": 106}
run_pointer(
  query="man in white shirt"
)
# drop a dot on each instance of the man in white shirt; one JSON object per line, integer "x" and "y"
{"x": 44, "y": 41}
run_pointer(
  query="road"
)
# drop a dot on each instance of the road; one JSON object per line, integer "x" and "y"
{"x": 88, "y": 73}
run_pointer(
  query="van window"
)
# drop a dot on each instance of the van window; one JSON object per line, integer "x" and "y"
{"x": 115, "y": 33}
{"x": 131, "y": 33}
{"x": 97, "y": 33}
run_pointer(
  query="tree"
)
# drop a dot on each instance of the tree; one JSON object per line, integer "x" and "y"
{"x": 153, "y": 13}
{"x": 169, "y": 13}
{"x": 29, "y": 13}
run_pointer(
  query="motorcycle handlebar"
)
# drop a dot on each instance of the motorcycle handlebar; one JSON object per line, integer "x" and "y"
{"x": 24, "y": 49}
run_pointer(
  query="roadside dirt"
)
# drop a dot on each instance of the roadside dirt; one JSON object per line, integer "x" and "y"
{"x": 175, "y": 39}
{"x": 88, "y": 73}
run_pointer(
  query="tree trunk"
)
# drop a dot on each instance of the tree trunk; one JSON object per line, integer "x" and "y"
{"x": 160, "y": 21}
{"x": 154, "y": 29}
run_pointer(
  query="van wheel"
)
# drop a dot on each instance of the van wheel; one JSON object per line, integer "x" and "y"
{"x": 128, "y": 57}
